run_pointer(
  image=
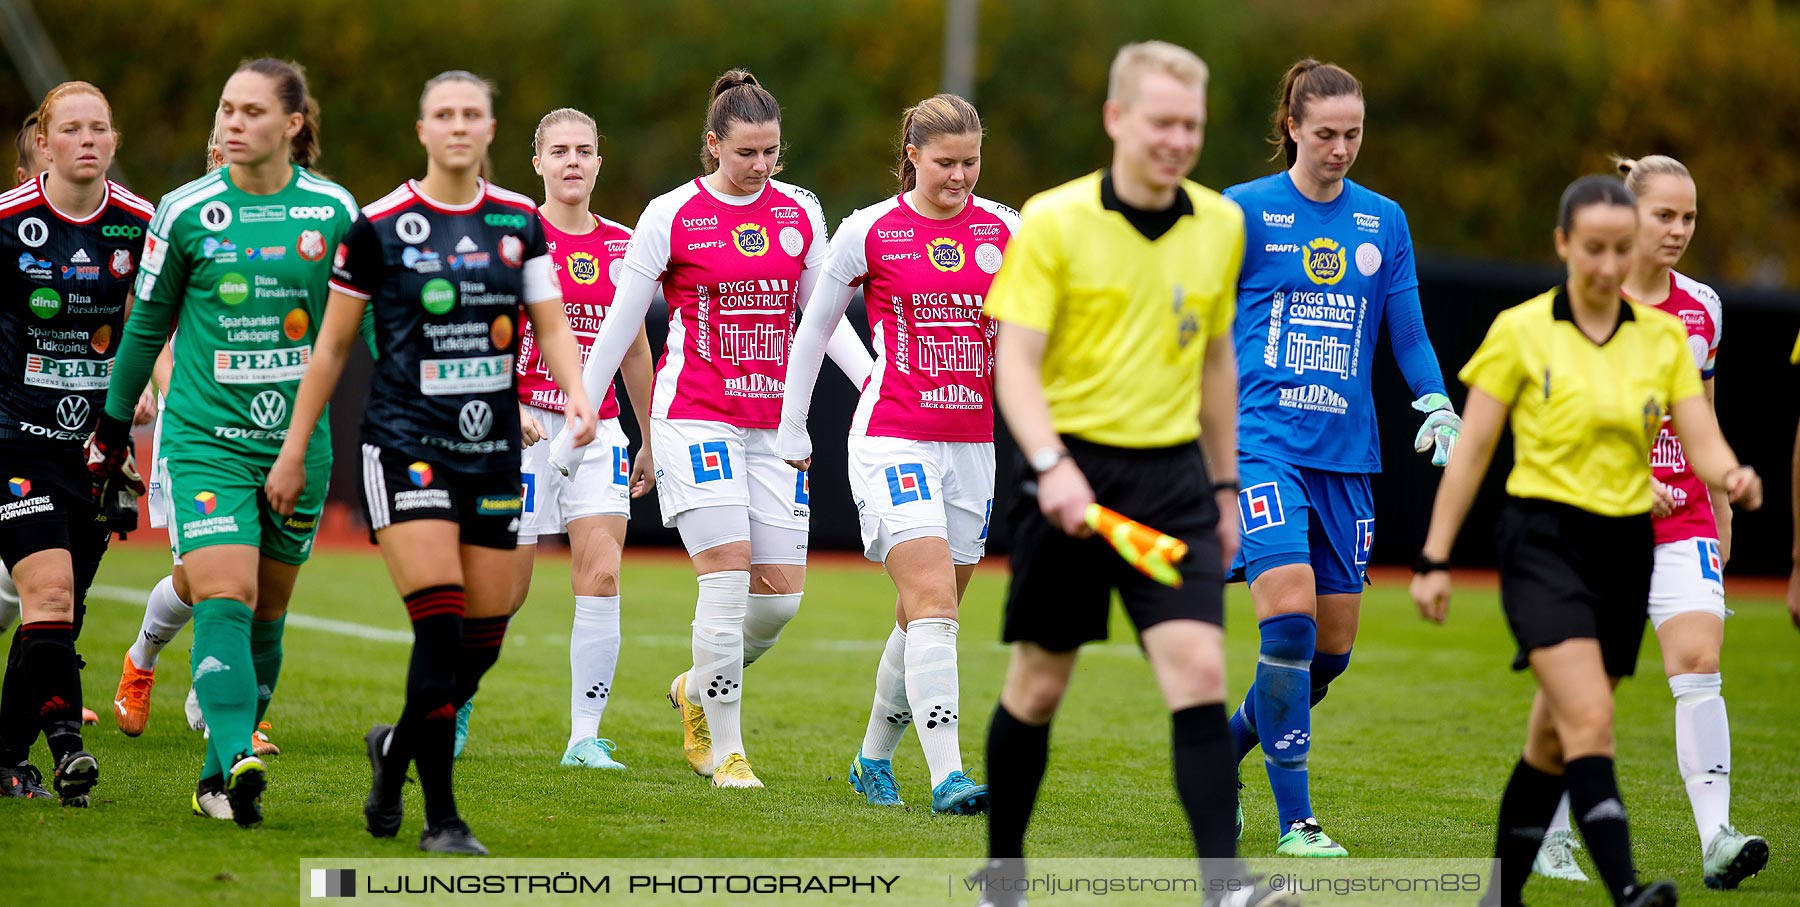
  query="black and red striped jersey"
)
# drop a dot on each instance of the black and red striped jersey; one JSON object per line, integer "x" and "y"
{"x": 63, "y": 283}
{"x": 448, "y": 285}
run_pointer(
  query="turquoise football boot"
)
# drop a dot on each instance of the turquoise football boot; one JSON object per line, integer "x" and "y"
{"x": 462, "y": 729}
{"x": 960, "y": 796}
{"x": 874, "y": 779}
{"x": 594, "y": 752}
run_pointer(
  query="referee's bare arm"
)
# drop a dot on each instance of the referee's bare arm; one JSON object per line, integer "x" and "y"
{"x": 1063, "y": 492}
{"x": 1710, "y": 457}
{"x": 1218, "y": 436}
{"x": 1484, "y": 416}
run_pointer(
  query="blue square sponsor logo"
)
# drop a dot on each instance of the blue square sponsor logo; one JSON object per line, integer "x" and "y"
{"x": 621, "y": 466}
{"x": 1365, "y": 541}
{"x": 1259, "y": 507}
{"x": 530, "y": 491}
{"x": 1712, "y": 567}
{"x": 712, "y": 461}
{"x": 803, "y": 488}
{"x": 906, "y": 483}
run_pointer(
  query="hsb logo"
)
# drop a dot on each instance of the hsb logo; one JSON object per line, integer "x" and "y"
{"x": 750, "y": 239}
{"x": 945, "y": 254}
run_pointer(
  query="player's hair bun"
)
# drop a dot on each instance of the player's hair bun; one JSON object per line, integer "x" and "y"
{"x": 736, "y": 98}
{"x": 732, "y": 79}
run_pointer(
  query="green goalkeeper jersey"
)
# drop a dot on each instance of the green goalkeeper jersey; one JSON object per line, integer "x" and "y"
{"x": 244, "y": 277}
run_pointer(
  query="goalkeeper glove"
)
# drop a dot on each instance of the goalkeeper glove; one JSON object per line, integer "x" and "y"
{"x": 107, "y": 448}
{"x": 119, "y": 498}
{"x": 1441, "y": 428}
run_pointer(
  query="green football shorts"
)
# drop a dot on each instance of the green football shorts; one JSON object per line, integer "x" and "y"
{"x": 221, "y": 502}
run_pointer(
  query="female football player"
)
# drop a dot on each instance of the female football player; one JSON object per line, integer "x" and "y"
{"x": 238, "y": 257}
{"x": 1579, "y": 368}
{"x": 735, "y": 252}
{"x": 1327, "y": 262}
{"x": 75, "y": 235}
{"x": 591, "y": 505}
{"x": 1693, "y": 542}
{"x": 447, "y": 263}
{"x": 921, "y": 445}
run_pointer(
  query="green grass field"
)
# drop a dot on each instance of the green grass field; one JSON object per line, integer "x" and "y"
{"x": 1413, "y": 747}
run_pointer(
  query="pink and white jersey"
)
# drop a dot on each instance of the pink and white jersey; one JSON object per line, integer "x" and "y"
{"x": 587, "y": 267}
{"x": 924, "y": 281}
{"x": 731, "y": 276}
{"x": 1698, "y": 307}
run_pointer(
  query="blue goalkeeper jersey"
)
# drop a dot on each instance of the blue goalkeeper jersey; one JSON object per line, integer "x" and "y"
{"x": 1316, "y": 283}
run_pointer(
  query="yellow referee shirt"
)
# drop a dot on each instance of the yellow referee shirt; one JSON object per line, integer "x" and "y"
{"x": 1584, "y": 415}
{"x": 1128, "y": 318}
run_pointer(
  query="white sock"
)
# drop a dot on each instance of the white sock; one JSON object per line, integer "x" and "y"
{"x": 716, "y": 679}
{"x": 890, "y": 715}
{"x": 762, "y": 626}
{"x": 164, "y": 616}
{"x": 1560, "y": 821}
{"x": 593, "y": 658}
{"x": 1703, "y": 750}
{"x": 9, "y": 600}
{"x": 932, "y": 689}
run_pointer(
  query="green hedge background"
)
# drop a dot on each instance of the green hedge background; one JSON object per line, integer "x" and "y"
{"x": 1478, "y": 112}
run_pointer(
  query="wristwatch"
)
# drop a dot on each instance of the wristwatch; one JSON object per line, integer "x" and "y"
{"x": 1045, "y": 459}
{"x": 1423, "y": 564}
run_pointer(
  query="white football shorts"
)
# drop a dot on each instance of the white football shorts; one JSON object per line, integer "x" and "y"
{"x": 716, "y": 464}
{"x": 1689, "y": 576}
{"x": 601, "y": 487}
{"x": 912, "y": 489}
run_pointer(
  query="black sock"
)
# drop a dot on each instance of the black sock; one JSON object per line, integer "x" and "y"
{"x": 1597, "y": 810}
{"x": 477, "y": 651}
{"x": 481, "y": 639}
{"x": 1016, "y": 755}
{"x": 1525, "y": 811}
{"x": 426, "y": 732}
{"x": 53, "y": 684}
{"x": 18, "y": 727}
{"x": 1206, "y": 781}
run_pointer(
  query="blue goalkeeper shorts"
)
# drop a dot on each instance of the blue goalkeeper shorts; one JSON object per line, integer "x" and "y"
{"x": 1291, "y": 514}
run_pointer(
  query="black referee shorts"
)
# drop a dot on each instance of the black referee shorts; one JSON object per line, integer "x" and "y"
{"x": 1061, "y": 590}
{"x": 1566, "y": 574}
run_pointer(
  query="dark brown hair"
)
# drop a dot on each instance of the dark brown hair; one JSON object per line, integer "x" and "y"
{"x": 1304, "y": 81}
{"x": 290, "y": 88}
{"x": 25, "y": 144}
{"x": 736, "y": 98}
{"x": 935, "y": 117}
{"x": 1588, "y": 192}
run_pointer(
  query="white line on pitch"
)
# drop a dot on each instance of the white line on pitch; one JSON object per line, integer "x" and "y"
{"x": 131, "y": 596}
